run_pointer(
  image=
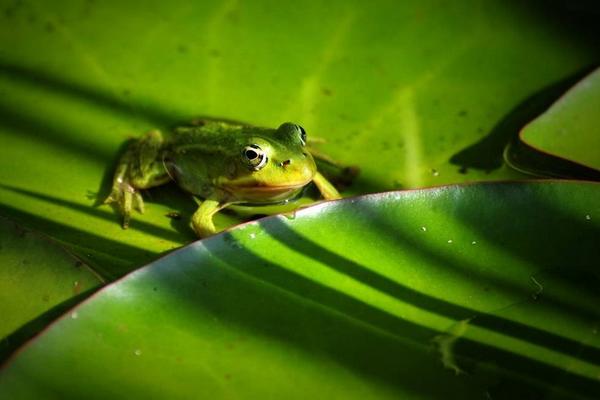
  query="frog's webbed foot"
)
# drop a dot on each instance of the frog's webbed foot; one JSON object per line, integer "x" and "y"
{"x": 125, "y": 196}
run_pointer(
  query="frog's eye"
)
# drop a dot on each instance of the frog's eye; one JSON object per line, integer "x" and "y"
{"x": 254, "y": 157}
{"x": 302, "y": 135}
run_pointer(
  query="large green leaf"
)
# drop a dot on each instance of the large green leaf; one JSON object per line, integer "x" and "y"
{"x": 478, "y": 291}
{"x": 396, "y": 88}
{"x": 571, "y": 127}
{"x": 564, "y": 140}
{"x": 36, "y": 274}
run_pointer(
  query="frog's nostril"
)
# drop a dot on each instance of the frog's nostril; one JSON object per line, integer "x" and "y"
{"x": 285, "y": 163}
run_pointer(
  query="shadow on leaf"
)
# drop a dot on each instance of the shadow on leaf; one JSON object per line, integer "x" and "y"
{"x": 487, "y": 153}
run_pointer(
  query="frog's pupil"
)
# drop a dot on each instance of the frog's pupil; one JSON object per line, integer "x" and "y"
{"x": 251, "y": 154}
{"x": 255, "y": 158}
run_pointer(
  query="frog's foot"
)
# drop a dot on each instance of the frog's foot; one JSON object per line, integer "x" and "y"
{"x": 126, "y": 197}
{"x": 140, "y": 167}
{"x": 202, "y": 220}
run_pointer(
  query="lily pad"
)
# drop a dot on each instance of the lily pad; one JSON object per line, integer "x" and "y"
{"x": 459, "y": 291}
{"x": 36, "y": 275}
{"x": 568, "y": 134}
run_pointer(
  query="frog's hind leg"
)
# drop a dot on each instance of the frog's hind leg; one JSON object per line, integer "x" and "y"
{"x": 140, "y": 167}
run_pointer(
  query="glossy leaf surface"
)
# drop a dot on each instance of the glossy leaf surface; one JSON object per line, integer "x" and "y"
{"x": 467, "y": 291}
{"x": 570, "y": 128}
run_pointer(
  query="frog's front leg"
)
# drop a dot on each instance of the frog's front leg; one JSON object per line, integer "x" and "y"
{"x": 328, "y": 191}
{"x": 202, "y": 220}
{"x": 140, "y": 167}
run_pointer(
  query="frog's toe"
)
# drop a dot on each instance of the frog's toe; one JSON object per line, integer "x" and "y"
{"x": 125, "y": 205}
{"x": 138, "y": 202}
{"x": 111, "y": 198}
{"x": 126, "y": 219}
{"x": 126, "y": 197}
{"x": 116, "y": 194}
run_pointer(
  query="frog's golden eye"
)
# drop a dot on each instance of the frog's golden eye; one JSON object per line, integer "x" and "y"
{"x": 302, "y": 135}
{"x": 254, "y": 157}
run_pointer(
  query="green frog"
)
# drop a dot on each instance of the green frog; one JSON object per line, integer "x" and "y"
{"x": 222, "y": 162}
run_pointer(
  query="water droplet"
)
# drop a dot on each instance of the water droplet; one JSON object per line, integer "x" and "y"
{"x": 74, "y": 315}
{"x": 588, "y": 217}
{"x": 137, "y": 352}
{"x": 291, "y": 216}
{"x": 75, "y": 283}
{"x": 434, "y": 172}
{"x": 449, "y": 240}
{"x": 424, "y": 228}
{"x": 473, "y": 242}
{"x": 252, "y": 235}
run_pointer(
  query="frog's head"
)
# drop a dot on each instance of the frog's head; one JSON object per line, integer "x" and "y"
{"x": 274, "y": 165}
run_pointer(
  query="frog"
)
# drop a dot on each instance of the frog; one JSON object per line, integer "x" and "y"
{"x": 221, "y": 163}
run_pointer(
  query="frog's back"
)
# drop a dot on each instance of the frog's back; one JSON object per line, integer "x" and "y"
{"x": 214, "y": 132}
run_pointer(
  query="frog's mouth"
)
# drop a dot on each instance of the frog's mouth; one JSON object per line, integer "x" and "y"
{"x": 266, "y": 193}
{"x": 271, "y": 188}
